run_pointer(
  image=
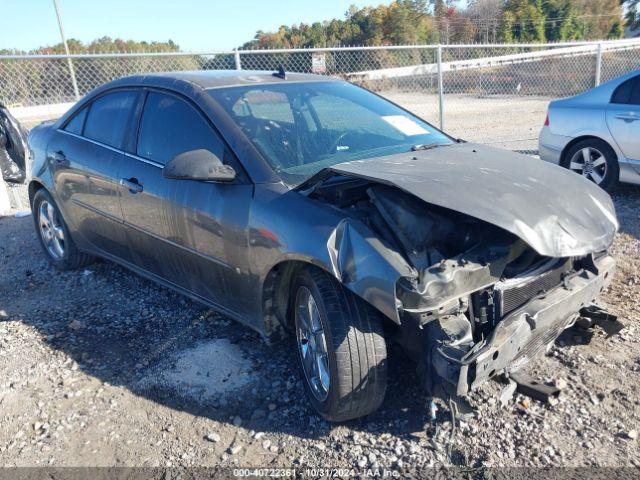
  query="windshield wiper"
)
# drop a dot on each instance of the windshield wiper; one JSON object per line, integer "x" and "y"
{"x": 424, "y": 146}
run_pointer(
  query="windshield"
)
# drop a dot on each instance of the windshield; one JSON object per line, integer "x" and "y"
{"x": 301, "y": 128}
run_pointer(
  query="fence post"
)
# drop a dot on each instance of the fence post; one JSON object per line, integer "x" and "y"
{"x": 74, "y": 83}
{"x": 236, "y": 56}
{"x": 598, "y": 64}
{"x": 440, "y": 89}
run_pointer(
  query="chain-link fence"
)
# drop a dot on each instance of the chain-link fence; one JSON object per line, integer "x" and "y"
{"x": 494, "y": 94}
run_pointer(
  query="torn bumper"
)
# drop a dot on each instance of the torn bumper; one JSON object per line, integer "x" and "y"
{"x": 524, "y": 334}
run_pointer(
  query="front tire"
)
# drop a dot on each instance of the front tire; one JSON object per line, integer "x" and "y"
{"x": 54, "y": 236}
{"x": 595, "y": 160}
{"x": 341, "y": 347}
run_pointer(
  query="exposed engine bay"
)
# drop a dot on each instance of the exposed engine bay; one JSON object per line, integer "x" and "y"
{"x": 479, "y": 300}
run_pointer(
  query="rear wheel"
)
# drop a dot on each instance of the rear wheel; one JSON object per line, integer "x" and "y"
{"x": 54, "y": 236}
{"x": 341, "y": 347}
{"x": 595, "y": 160}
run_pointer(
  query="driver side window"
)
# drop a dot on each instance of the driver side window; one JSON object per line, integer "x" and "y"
{"x": 267, "y": 118}
{"x": 169, "y": 126}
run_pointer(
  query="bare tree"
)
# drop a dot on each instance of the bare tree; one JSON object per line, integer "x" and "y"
{"x": 486, "y": 16}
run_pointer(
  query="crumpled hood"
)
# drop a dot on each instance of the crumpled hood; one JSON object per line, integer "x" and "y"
{"x": 558, "y": 213}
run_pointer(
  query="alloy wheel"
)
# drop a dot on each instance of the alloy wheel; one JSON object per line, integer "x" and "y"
{"x": 590, "y": 163}
{"x": 312, "y": 344}
{"x": 51, "y": 230}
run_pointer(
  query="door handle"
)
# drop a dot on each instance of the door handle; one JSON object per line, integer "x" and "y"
{"x": 131, "y": 184}
{"x": 627, "y": 118}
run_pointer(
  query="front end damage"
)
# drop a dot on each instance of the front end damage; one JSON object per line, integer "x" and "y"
{"x": 465, "y": 359}
{"x": 470, "y": 299}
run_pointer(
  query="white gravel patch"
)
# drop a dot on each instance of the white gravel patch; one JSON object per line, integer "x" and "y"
{"x": 208, "y": 370}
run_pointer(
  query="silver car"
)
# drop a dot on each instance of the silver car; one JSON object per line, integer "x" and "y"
{"x": 597, "y": 133}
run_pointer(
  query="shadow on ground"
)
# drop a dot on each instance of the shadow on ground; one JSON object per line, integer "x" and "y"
{"x": 125, "y": 330}
{"x": 627, "y": 201}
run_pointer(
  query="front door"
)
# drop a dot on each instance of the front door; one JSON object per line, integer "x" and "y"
{"x": 190, "y": 233}
{"x": 623, "y": 117}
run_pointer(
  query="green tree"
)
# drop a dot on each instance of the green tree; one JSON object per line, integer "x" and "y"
{"x": 523, "y": 20}
{"x": 506, "y": 27}
{"x": 600, "y": 18}
{"x": 109, "y": 45}
{"x": 560, "y": 20}
{"x": 400, "y": 22}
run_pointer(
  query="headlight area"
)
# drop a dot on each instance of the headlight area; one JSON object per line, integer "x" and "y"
{"x": 461, "y": 342}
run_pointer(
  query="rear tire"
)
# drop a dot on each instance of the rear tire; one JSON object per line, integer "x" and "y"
{"x": 53, "y": 233}
{"x": 354, "y": 347}
{"x": 595, "y": 160}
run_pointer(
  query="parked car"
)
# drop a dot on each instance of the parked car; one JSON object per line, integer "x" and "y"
{"x": 597, "y": 133}
{"x": 304, "y": 204}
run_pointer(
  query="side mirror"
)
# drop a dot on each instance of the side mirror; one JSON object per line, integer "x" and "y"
{"x": 198, "y": 165}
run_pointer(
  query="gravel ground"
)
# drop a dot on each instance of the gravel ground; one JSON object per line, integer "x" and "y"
{"x": 100, "y": 367}
{"x": 506, "y": 121}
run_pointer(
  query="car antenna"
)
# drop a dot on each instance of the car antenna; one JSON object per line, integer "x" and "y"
{"x": 280, "y": 73}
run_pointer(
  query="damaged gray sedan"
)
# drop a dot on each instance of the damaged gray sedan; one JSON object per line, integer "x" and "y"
{"x": 307, "y": 206}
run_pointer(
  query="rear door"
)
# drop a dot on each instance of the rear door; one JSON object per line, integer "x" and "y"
{"x": 623, "y": 117}
{"x": 85, "y": 156}
{"x": 190, "y": 233}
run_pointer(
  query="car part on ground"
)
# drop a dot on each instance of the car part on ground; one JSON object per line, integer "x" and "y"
{"x": 13, "y": 148}
{"x": 597, "y": 133}
{"x": 472, "y": 259}
{"x": 534, "y": 389}
{"x": 594, "y": 315}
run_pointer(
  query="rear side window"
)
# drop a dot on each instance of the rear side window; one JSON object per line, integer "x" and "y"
{"x": 635, "y": 93}
{"x": 169, "y": 126}
{"x": 107, "y": 118}
{"x": 623, "y": 94}
{"x": 77, "y": 122}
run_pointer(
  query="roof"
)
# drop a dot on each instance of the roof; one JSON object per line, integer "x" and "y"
{"x": 232, "y": 78}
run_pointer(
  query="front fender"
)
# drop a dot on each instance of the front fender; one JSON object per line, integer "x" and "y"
{"x": 330, "y": 240}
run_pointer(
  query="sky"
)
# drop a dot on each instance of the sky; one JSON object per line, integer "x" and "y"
{"x": 195, "y": 25}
